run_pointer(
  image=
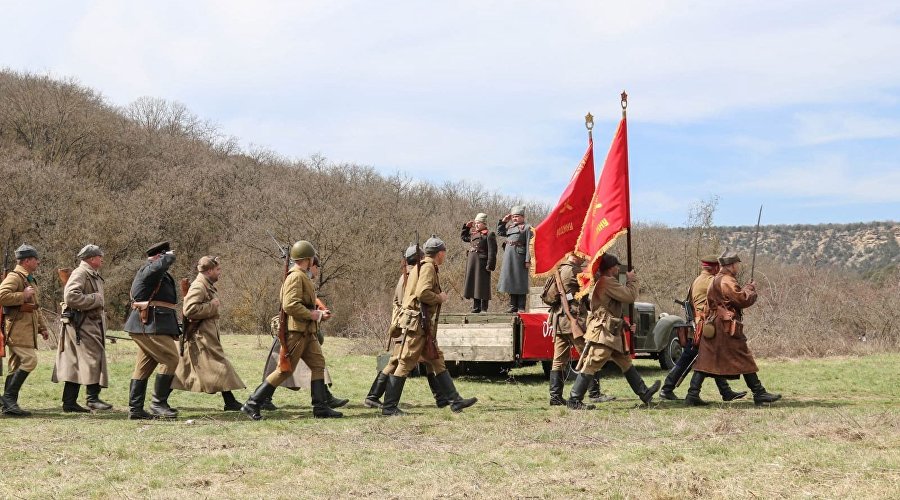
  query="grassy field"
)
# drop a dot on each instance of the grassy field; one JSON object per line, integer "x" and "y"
{"x": 836, "y": 434}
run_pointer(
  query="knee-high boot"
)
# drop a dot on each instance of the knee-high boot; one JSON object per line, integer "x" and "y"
{"x": 70, "y": 399}
{"x": 253, "y": 404}
{"x": 726, "y": 392}
{"x": 595, "y": 395}
{"x": 579, "y": 388}
{"x": 10, "y": 398}
{"x": 392, "y": 394}
{"x": 639, "y": 387}
{"x": 93, "y": 398}
{"x": 439, "y": 398}
{"x": 379, "y": 385}
{"x": 693, "y": 394}
{"x": 448, "y": 390}
{"x": 760, "y": 395}
{"x": 556, "y": 388}
{"x": 136, "y": 394}
{"x": 159, "y": 401}
{"x": 320, "y": 401}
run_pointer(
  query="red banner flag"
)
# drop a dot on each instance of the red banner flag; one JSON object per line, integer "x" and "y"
{"x": 557, "y": 234}
{"x": 609, "y": 215}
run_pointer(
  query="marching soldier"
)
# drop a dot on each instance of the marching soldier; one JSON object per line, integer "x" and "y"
{"x": 480, "y": 262}
{"x": 203, "y": 367}
{"x": 301, "y": 377}
{"x": 23, "y": 323}
{"x": 153, "y": 325}
{"x": 724, "y": 351}
{"x": 604, "y": 333}
{"x": 516, "y": 258}
{"x": 379, "y": 385}
{"x": 298, "y": 299}
{"x": 564, "y": 339}
{"x": 422, "y": 297}
{"x": 697, "y": 296}
{"x": 81, "y": 354}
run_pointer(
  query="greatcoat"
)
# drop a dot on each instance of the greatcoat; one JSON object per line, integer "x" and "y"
{"x": 81, "y": 354}
{"x": 726, "y": 354}
{"x": 513, "y": 273}
{"x": 481, "y": 260}
{"x": 204, "y": 367}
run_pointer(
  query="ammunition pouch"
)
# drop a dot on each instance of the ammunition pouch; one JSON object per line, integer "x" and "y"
{"x": 614, "y": 325}
{"x": 409, "y": 320}
{"x": 708, "y": 330}
{"x": 143, "y": 308}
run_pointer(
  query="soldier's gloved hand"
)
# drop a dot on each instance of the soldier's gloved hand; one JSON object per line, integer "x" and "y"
{"x": 28, "y": 293}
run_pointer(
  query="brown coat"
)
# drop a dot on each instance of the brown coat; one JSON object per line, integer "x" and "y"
{"x": 605, "y": 321}
{"x": 203, "y": 367}
{"x": 22, "y": 328}
{"x": 83, "y": 361}
{"x": 569, "y": 274}
{"x": 481, "y": 259}
{"x": 726, "y": 354}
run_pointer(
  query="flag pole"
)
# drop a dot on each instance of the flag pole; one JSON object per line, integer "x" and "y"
{"x": 628, "y": 261}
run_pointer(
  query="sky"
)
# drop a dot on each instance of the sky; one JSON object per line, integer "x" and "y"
{"x": 792, "y": 105}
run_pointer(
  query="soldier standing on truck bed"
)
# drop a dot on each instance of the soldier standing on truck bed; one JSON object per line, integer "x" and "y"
{"x": 516, "y": 257}
{"x": 481, "y": 259}
{"x": 605, "y": 328}
{"x": 697, "y": 296}
{"x": 724, "y": 350}
{"x": 564, "y": 338}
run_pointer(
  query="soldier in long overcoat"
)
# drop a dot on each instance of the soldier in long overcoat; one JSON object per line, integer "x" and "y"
{"x": 726, "y": 353}
{"x": 516, "y": 258}
{"x": 563, "y": 337}
{"x": 23, "y": 322}
{"x": 298, "y": 300}
{"x": 605, "y": 327}
{"x": 204, "y": 367}
{"x": 153, "y": 325}
{"x": 81, "y": 353}
{"x": 697, "y": 296}
{"x": 422, "y": 297}
{"x": 480, "y": 261}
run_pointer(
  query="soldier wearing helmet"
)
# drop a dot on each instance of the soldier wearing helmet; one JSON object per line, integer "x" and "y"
{"x": 421, "y": 299}
{"x": 298, "y": 300}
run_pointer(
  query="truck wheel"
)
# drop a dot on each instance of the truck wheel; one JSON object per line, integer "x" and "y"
{"x": 669, "y": 355}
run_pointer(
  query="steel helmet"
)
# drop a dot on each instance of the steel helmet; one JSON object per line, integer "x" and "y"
{"x": 302, "y": 250}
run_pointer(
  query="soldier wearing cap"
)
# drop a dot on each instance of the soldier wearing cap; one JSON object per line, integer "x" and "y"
{"x": 516, "y": 257}
{"x": 81, "y": 353}
{"x": 379, "y": 385}
{"x": 153, "y": 325}
{"x": 603, "y": 335}
{"x": 298, "y": 300}
{"x": 480, "y": 261}
{"x": 563, "y": 338}
{"x": 421, "y": 299}
{"x": 23, "y": 322}
{"x": 204, "y": 367}
{"x": 697, "y": 296}
{"x": 724, "y": 351}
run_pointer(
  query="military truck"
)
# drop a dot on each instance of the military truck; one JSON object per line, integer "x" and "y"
{"x": 489, "y": 343}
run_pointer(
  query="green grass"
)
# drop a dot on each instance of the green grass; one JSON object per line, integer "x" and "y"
{"x": 835, "y": 434}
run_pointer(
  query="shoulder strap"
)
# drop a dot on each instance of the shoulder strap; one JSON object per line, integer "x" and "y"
{"x": 576, "y": 329}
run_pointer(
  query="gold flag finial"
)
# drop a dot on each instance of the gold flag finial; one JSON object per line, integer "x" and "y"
{"x": 624, "y": 100}
{"x": 589, "y": 121}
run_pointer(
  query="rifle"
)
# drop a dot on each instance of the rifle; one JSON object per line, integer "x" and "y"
{"x": 430, "y": 352}
{"x": 71, "y": 316}
{"x": 284, "y": 362}
{"x": 185, "y": 285}
{"x": 3, "y": 309}
{"x": 755, "y": 241}
{"x": 576, "y": 328}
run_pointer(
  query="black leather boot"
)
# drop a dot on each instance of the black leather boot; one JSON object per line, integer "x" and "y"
{"x": 726, "y": 392}
{"x": 556, "y": 388}
{"x": 760, "y": 395}
{"x": 639, "y": 387}
{"x": 668, "y": 386}
{"x": 392, "y": 394}
{"x": 693, "y": 393}
{"x": 268, "y": 405}
{"x": 595, "y": 395}
{"x": 93, "y": 398}
{"x": 10, "y": 398}
{"x": 252, "y": 406}
{"x": 231, "y": 404}
{"x": 159, "y": 401}
{"x": 513, "y": 307}
{"x": 439, "y": 399}
{"x": 484, "y": 306}
{"x": 476, "y": 307}
{"x": 70, "y": 399}
{"x": 136, "y": 394}
{"x": 379, "y": 385}
{"x": 320, "y": 401}
{"x": 520, "y": 302}
{"x": 448, "y": 390}
{"x": 332, "y": 401}
{"x": 579, "y": 388}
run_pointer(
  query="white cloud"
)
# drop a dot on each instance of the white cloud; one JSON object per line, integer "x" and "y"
{"x": 822, "y": 128}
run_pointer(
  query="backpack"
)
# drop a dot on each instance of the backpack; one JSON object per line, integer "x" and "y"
{"x": 550, "y": 295}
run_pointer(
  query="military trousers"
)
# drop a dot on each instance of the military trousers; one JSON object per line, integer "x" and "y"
{"x": 394, "y": 360}
{"x": 411, "y": 353}
{"x": 303, "y": 346}
{"x": 154, "y": 350}
{"x": 22, "y": 358}
{"x": 562, "y": 346}
{"x": 598, "y": 354}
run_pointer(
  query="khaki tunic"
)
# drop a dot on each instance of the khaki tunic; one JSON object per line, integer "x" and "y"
{"x": 22, "y": 328}
{"x": 563, "y": 339}
{"x": 83, "y": 362}
{"x": 422, "y": 287}
{"x": 298, "y": 299}
{"x": 604, "y": 330}
{"x": 204, "y": 367}
{"x": 725, "y": 354}
{"x": 699, "y": 289}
